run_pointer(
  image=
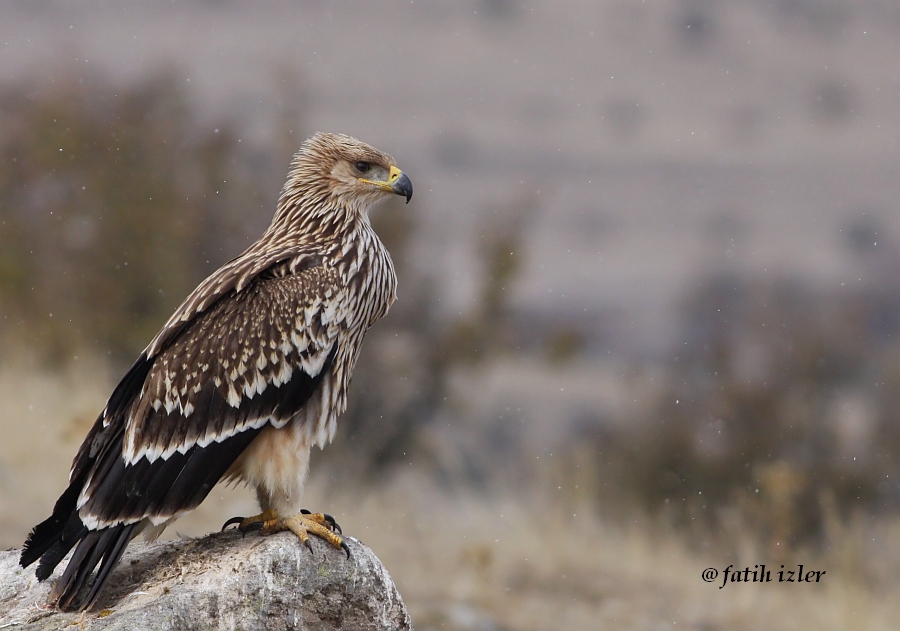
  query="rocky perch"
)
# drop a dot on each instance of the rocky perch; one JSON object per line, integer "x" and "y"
{"x": 221, "y": 581}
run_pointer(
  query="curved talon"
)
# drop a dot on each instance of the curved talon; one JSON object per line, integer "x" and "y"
{"x": 332, "y": 523}
{"x": 303, "y": 524}
{"x": 233, "y": 520}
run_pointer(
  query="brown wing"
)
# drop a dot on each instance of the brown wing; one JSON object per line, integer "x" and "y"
{"x": 234, "y": 275}
{"x": 178, "y": 420}
{"x": 254, "y": 358}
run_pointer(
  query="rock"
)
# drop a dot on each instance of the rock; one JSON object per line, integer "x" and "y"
{"x": 221, "y": 581}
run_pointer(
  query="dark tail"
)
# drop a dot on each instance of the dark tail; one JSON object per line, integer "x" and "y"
{"x": 55, "y": 536}
{"x": 96, "y": 546}
{"x": 52, "y": 539}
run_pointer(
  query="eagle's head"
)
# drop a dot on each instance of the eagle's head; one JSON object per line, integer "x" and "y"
{"x": 333, "y": 169}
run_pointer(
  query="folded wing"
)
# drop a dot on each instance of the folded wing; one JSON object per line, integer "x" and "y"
{"x": 180, "y": 418}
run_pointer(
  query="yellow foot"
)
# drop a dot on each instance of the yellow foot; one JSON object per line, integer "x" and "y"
{"x": 245, "y": 523}
{"x": 303, "y": 524}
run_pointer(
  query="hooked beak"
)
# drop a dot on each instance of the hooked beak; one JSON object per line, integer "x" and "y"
{"x": 397, "y": 183}
{"x": 400, "y": 184}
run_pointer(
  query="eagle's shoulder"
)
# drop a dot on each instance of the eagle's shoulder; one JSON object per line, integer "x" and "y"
{"x": 229, "y": 368}
{"x": 257, "y": 263}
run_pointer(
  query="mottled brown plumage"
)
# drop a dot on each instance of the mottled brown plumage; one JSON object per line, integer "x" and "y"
{"x": 248, "y": 373}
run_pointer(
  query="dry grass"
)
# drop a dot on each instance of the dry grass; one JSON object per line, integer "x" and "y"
{"x": 466, "y": 561}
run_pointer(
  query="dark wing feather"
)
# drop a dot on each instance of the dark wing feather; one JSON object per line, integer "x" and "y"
{"x": 98, "y": 546}
{"x": 56, "y": 531}
{"x": 252, "y": 359}
{"x": 178, "y": 420}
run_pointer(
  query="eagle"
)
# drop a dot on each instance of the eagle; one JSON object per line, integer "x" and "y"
{"x": 249, "y": 372}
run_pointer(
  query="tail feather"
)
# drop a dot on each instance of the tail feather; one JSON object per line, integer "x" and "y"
{"x": 48, "y": 533}
{"x": 52, "y": 539}
{"x": 87, "y": 554}
{"x": 110, "y": 560}
{"x": 70, "y": 535}
{"x": 106, "y": 545}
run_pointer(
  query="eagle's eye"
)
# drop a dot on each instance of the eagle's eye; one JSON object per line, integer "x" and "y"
{"x": 363, "y": 167}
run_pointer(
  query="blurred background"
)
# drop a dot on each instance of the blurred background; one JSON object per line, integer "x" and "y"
{"x": 649, "y": 312}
